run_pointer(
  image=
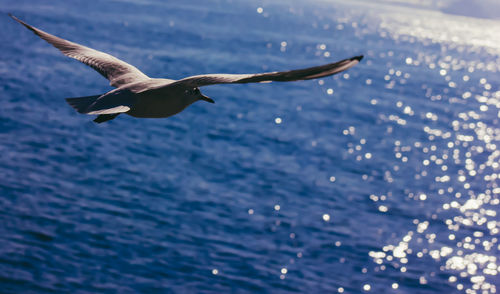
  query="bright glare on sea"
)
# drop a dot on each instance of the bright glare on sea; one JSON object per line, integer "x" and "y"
{"x": 382, "y": 179}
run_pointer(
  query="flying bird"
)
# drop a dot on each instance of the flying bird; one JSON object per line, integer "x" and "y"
{"x": 138, "y": 95}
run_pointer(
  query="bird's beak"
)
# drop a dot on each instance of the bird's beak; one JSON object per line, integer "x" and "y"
{"x": 205, "y": 98}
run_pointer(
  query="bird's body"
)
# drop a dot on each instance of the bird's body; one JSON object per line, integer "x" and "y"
{"x": 140, "y": 96}
{"x": 161, "y": 101}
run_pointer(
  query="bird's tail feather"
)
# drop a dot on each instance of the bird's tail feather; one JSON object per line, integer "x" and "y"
{"x": 81, "y": 104}
{"x": 105, "y": 117}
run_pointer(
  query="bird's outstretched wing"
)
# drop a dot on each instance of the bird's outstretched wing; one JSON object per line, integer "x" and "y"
{"x": 115, "y": 70}
{"x": 284, "y": 76}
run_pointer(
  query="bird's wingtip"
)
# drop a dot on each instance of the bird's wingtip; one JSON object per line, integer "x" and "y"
{"x": 15, "y": 18}
{"x": 358, "y": 58}
{"x": 36, "y": 31}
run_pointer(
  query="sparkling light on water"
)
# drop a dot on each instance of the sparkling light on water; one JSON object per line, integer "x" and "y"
{"x": 466, "y": 141}
{"x": 453, "y": 158}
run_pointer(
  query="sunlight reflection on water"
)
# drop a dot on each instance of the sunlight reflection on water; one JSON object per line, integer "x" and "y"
{"x": 459, "y": 153}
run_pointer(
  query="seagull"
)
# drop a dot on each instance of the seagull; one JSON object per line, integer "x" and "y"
{"x": 140, "y": 96}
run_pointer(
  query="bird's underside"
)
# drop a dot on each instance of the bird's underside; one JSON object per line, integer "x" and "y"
{"x": 140, "y": 96}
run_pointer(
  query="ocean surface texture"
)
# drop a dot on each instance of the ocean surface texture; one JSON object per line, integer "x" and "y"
{"x": 382, "y": 179}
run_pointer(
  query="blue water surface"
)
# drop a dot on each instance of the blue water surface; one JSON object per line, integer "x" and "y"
{"x": 382, "y": 179}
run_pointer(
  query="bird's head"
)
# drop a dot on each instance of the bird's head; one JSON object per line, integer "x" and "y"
{"x": 196, "y": 95}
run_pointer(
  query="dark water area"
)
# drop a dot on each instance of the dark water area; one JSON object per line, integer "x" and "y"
{"x": 382, "y": 179}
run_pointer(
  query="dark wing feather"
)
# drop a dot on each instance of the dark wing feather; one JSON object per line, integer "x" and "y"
{"x": 284, "y": 76}
{"x": 115, "y": 70}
